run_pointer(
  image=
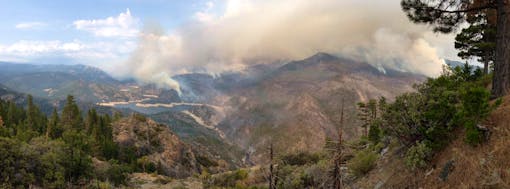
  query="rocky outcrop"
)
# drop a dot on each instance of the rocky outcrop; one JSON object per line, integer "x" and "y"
{"x": 156, "y": 142}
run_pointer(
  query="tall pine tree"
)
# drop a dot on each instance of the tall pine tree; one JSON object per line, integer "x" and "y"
{"x": 71, "y": 116}
{"x": 479, "y": 39}
{"x": 448, "y": 15}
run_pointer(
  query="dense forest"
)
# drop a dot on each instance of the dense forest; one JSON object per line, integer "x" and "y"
{"x": 58, "y": 151}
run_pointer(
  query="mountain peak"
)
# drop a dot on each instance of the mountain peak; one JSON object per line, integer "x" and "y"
{"x": 322, "y": 56}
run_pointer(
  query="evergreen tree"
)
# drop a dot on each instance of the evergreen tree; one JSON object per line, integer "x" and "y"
{"x": 478, "y": 40}
{"x": 31, "y": 112}
{"x": 448, "y": 15}
{"x": 71, "y": 116}
{"x": 35, "y": 120}
{"x": 54, "y": 129}
{"x": 364, "y": 117}
{"x": 77, "y": 161}
{"x": 12, "y": 115}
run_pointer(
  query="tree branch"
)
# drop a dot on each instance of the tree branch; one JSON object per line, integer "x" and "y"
{"x": 475, "y": 9}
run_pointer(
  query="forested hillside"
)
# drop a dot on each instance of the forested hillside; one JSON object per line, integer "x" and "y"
{"x": 68, "y": 150}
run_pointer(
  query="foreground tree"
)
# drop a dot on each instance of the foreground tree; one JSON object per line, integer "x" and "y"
{"x": 479, "y": 39}
{"x": 448, "y": 15}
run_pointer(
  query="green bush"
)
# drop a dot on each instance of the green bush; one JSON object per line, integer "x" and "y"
{"x": 117, "y": 173}
{"x": 300, "y": 158}
{"x": 473, "y": 136}
{"x": 417, "y": 155}
{"x": 374, "y": 134}
{"x": 362, "y": 162}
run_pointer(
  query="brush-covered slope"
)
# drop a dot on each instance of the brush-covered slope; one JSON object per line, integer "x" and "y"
{"x": 297, "y": 106}
{"x": 459, "y": 165}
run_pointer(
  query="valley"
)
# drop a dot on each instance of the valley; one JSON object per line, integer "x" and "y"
{"x": 294, "y": 106}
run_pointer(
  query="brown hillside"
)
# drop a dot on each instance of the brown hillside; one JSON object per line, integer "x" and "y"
{"x": 155, "y": 141}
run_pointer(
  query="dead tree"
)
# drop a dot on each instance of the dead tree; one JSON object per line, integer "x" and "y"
{"x": 337, "y": 171}
{"x": 271, "y": 168}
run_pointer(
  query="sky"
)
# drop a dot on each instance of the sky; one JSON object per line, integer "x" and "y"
{"x": 151, "y": 40}
{"x": 86, "y": 31}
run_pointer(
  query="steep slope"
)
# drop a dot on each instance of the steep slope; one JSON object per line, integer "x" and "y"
{"x": 158, "y": 143}
{"x": 201, "y": 135}
{"x": 459, "y": 165}
{"x": 297, "y": 106}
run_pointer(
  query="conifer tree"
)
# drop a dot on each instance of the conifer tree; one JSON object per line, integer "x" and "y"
{"x": 12, "y": 114}
{"x": 448, "y": 15}
{"x": 364, "y": 116}
{"x": 54, "y": 129}
{"x": 71, "y": 116}
{"x": 478, "y": 40}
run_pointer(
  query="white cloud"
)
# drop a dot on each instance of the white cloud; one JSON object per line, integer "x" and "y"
{"x": 206, "y": 15}
{"x": 124, "y": 25}
{"x": 90, "y": 53}
{"x": 30, "y": 25}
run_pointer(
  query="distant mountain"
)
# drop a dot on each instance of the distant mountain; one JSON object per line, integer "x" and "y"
{"x": 86, "y": 83}
{"x": 86, "y": 73}
{"x": 453, "y": 63}
{"x": 297, "y": 106}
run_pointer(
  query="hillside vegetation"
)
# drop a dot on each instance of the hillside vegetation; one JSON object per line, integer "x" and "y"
{"x": 445, "y": 134}
{"x": 69, "y": 150}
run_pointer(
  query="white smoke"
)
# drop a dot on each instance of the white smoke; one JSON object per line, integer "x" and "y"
{"x": 375, "y": 31}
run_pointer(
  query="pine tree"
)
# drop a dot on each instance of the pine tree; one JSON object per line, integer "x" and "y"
{"x": 77, "y": 162}
{"x": 54, "y": 129}
{"x": 478, "y": 40}
{"x": 91, "y": 122}
{"x": 71, "y": 116}
{"x": 364, "y": 116}
{"x": 372, "y": 109}
{"x": 12, "y": 114}
{"x": 35, "y": 119}
{"x": 448, "y": 15}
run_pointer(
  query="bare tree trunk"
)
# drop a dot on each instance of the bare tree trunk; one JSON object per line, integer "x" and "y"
{"x": 271, "y": 176}
{"x": 337, "y": 174}
{"x": 501, "y": 78}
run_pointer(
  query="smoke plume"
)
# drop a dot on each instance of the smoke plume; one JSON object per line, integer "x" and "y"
{"x": 231, "y": 34}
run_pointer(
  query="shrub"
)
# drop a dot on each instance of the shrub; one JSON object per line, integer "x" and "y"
{"x": 417, "y": 155}
{"x": 374, "y": 134}
{"x": 473, "y": 136}
{"x": 300, "y": 158}
{"x": 230, "y": 179}
{"x": 139, "y": 117}
{"x": 206, "y": 162}
{"x": 117, "y": 173}
{"x": 362, "y": 162}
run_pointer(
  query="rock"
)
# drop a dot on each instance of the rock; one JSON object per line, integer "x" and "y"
{"x": 447, "y": 169}
{"x": 384, "y": 151}
{"x": 379, "y": 185}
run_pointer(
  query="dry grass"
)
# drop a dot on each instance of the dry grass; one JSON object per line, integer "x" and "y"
{"x": 483, "y": 166}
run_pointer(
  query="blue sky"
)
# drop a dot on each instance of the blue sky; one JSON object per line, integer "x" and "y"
{"x": 50, "y": 31}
